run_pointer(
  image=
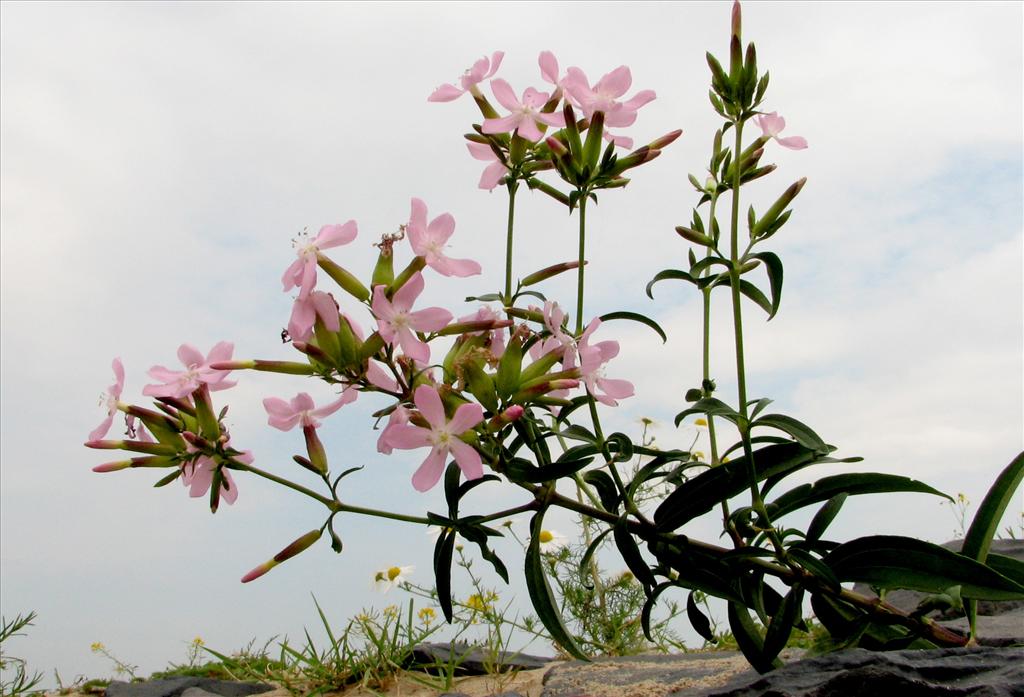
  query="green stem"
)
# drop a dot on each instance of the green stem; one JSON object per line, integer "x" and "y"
{"x": 741, "y": 378}
{"x": 513, "y": 185}
{"x": 283, "y": 482}
{"x": 582, "y": 260}
{"x": 345, "y": 508}
{"x": 531, "y": 506}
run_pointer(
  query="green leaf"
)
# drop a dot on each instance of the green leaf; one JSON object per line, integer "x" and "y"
{"x": 824, "y": 517}
{"x": 541, "y": 595}
{"x": 845, "y": 484}
{"x": 986, "y": 521}
{"x": 444, "y": 550}
{"x": 781, "y": 626}
{"x": 637, "y": 317}
{"x": 606, "y": 490}
{"x": 749, "y": 639}
{"x": 711, "y": 406}
{"x": 509, "y": 368}
{"x": 979, "y": 536}
{"x": 588, "y": 555}
{"x": 700, "y": 494}
{"x": 787, "y": 424}
{"x": 577, "y": 432}
{"x": 773, "y": 265}
{"x": 631, "y": 553}
{"x": 645, "y": 612}
{"x": 698, "y": 620}
{"x": 891, "y": 561}
{"x": 1009, "y": 567}
{"x": 697, "y": 570}
{"x": 667, "y": 274}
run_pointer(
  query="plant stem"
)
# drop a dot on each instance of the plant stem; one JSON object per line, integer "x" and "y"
{"x": 582, "y": 260}
{"x": 283, "y": 482}
{"x": 345, "y": 508}
{"x": 513, "y": 185}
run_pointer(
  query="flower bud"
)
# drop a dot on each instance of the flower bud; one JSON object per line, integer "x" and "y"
{"x": 315, "y": 448}
{"x": 694, "y": 236}
{"x": 138, "y": 446}
{"x": 384, "y": 271}
{"x": 513, "y": 413}
{"x": 417, "y": 264}
{"x": 666, "y": 140}
{"x": 313, "y": 351}
{"x": 112, "y": 466}
{"x": 349, "y": 283}
{"x": 196, "y": 441}
{"x": 473, "y": 326}
{"x": 548, "y": 272}
{"x": 297, "y": 547}
{"x": 773, "y": 213}
{"x": 304, "y": 462}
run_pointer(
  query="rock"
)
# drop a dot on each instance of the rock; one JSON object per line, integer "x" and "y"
{"x": 958, "y": 672}
{"x": 177, "y": 687}
{"x": 496, "y": 694}
{"x": 649, "y": 675}
{"x": 472, "y": 660}
{"x": 1006, "y": 629}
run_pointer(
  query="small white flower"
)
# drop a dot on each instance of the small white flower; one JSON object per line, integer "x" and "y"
{"x": 552, "y": 541}
{"x": 385, "y": 579}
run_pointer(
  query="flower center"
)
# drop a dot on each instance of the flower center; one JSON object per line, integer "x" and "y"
{"x": 400, "y": 321}
{"x": 393, "y": 573}
{"x": 546, "y": 536}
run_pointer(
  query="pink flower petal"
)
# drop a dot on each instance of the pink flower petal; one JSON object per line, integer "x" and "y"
{"x": 615, "y": 83}
{"x": 327, "y": 310}
{"x": 406, "y": 437}
{"x": 118, "y": 386}
{"x": 481, "y": 151}
{"x": 411, "y": 346}
{"x": 300, "y": 325}
{"x": 101, "y": 430}
{"x": 505, "y": 95}
{"x": 492, "y": 175}
{"x": 190, "y": 356}
{"x": 548, "y": 66}
{"x": 336, "y": 235}
{"x": 506, "y": 124}
{"x": 468, "y": 459}
{"x": 418, "y": 214}
{"x": 528, "y": 130}
{"x": 348, "y": 396}
{"x": 428, "y": 401}
{"x": 441, "y": 228}
{"x": 793, "y": 142}
{"x": 445, "y": 93}
{"x": 429, "y": 473}
{"x": 466, "y": 417}
{"x": 495, "y": 63}
{"x": 639, "y": 99}
{"x": 433, "y": 319}
{"x": 376, "y": 376}
{"x": 618, "y": 389}
{"x": 407, "y": 294}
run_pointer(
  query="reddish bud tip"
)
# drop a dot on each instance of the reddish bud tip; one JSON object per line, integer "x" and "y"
{"x": 666, "y": 139}
{"x": 112, "y": 466}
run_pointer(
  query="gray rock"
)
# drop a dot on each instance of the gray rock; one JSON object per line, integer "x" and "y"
{"x": 496, "y": 694}
{"x": 471, "y": 660}
{"x": 176, "y": 687}
{"x": 959, "y": 672}
{"x": 1006, "y": 629}
{"x": 197, "y": 692}
{"x": 649, "y": 675}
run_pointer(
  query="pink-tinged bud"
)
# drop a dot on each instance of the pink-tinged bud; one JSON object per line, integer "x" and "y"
{"x": 513, "y": 413}
{"x": 737, "y": 19}
{"x": 558, "y": 149}
{"x": 179, "y": 404}
{"x": 546, "y": 273}
{"x": 113, "y": 466}
{"x": 473, "y": 326}
{"x": 666, "y": 140}
{"x": 311, "y": 351}
{"x": 196, "y": 441}
{"x": 297, "y": 547}
{"x": 233, "y": 365}
{"x": 563, "y": 384}
{"x": 138, "y": 446}
{"x": 531, "y": 315}
{"x": 304, "y": 462}
{"x": 315, "y": 448}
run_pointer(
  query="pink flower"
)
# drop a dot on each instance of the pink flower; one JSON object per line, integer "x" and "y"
{"x": 399, "y": 417}
{"x": 305, "y": 311}
{"x": 549, "y": 71}
{"x": 604, "y": 97}
{"x": 302, "y": 272}
{"x": 442, "y": 438}
{"x": 525, "y": 115}
{"x": 496, "y": 337}
{"x": 428, "y": 241}
{"x": 198, "y": 477}
{"x": 396, "y": 323}
{"x": 592, "y": 361}
{"x": 553, "y": 319}
{"x": 301, "y": 410}
{"x": 772, "y": 125}
{"x": 480, "y": 71}
{"x": 110, "y": 399}
{"x": 181, "y": 383}
{"x": 494, "y": 172}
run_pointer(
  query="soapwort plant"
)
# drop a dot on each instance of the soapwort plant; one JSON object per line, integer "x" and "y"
{"x": 514, "y": 393}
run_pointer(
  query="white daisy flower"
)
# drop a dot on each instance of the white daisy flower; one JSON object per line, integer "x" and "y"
{"x": 552, "y": 541}
{"x": 386, "y": 579}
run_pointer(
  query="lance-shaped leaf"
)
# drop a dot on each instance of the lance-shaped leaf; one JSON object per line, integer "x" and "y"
{"x": 645, "y": 612}
{"x": 444, "y": 550}
{"x": 698, "y": 620}
{"x": 636, "y": 317}
{"x": 773, "y": 265}
{"x": 783, "y": 621}
{"x": 700, "y": 494}
{"x": 749, "y": 639}
{"x": 631, "y": 553}
{"x": 667, "y": 274}
{"x": 850, "y": 484}
{"x": 824, "y": 517}
{"x": 540, "y": 592}
{"x": 584, "y": 566}
{"x": 979, "y": 536}
{"x": 803, "y": 433}
{"x": 891, "y": 561}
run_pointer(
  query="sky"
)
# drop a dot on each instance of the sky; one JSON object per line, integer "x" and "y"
{"x": 157, "y": 159}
